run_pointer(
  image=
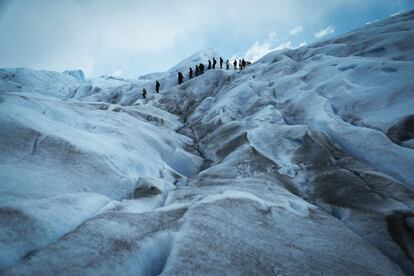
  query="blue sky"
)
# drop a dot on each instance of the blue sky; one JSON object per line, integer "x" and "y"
{"x": 131, "y": 38}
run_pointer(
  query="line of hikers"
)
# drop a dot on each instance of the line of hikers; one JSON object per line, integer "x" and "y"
{"x": 199, "y": 69}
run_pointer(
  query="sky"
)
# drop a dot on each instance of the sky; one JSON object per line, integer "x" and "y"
{"x": 131, "y": 38}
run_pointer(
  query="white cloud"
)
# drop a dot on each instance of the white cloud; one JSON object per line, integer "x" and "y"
{"x": 296, "y": 30}
{"x": 272, "y": 36}
{"x": 102, "y": 36}
{"x": 370, "y": 22}
{"x": 117, "y": 73}
{"x": 302, "y": 44}
{"x": 285, "y": 45}
{"x": 258, "y": 50}
{"x": 328, "y": 30}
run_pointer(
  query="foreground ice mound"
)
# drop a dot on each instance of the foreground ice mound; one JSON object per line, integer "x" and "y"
{"x": 303, "y": 163}
{"x": 51, "y": 150}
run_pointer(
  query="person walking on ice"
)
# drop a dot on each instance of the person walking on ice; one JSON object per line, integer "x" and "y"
{"x": 235, "y": 64}
{"x": 190, "y": 73}
{"x": 157, "y": 86}
{"x": 214, "y": 63}
{"x": 221, "y": 63}
{"x": 180, "y": 78}
{"x": 227, "y": 64}
{"x": 201, "y": 68}
{"x": 144, "y": 93}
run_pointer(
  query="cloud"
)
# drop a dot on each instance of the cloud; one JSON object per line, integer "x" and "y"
{"x": 328, "y": 30}
{"x": 371, "y": 22}
{"x": 102, "y": 36}
{"x": 272, "y": 36}
{"x": 302, "y": 44}
{"x": 117, "y": 73}
{"x": 259, "y": 49}
{"x": 285, "y": 45}
{"x": 296, "y": 30}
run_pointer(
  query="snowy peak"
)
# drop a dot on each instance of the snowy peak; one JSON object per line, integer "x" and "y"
{"x": 195, "y": 59}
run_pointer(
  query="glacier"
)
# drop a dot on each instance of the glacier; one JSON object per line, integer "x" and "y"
{"x": 302, "y": 163}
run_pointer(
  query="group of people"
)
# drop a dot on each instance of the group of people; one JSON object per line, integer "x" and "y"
{"x": 199, "y": 69}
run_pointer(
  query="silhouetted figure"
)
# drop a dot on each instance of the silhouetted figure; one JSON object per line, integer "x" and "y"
{"x": 197, "y": 71}
{"x": 227, "y": 64}
{"x": 235, "y": 64}
{"x": 144, "y": 93}
{"x": 214, "y": 63}
{"x": 201, "y": 68}
{"x": 157, "y": 86}
{"x": 190, "y": 73}
{"x": 248, "y": 63}
{"x": 221, "y": 63}
{"x": 209, "y": 65}
{"x": 240, "y": 64}
{"x": 180, "y": 78}
{"x": 243, "y": 63}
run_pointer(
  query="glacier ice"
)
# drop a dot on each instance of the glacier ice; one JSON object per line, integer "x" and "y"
{"x": 302, "y": 163}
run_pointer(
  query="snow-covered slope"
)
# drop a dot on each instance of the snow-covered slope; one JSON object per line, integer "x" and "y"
{"x": 128, "y": 92}
{"x": 302, "y": 163}
{"x": 42, "y": 82}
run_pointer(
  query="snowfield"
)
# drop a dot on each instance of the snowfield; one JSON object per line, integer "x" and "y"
{"x": 303, "y": 163}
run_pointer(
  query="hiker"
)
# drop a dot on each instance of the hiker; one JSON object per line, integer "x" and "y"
{"x": 243, "y": 63}
{"x": 180, "y": 78}
{"x": 221, "y": 63}
{"x": 197, "y": 71}
{"x": 227, "y": 64}
{"x": 144, "y": 93}
{"x": 240, "y": 64}
{"x": 190, "y": 73}
{"x": 209, "y": 65}
{"x": 157, "y": 86}
{"x": 214, "y": 63}
{"x": 201, "y": 68}
{"x": 235, "y": 64}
